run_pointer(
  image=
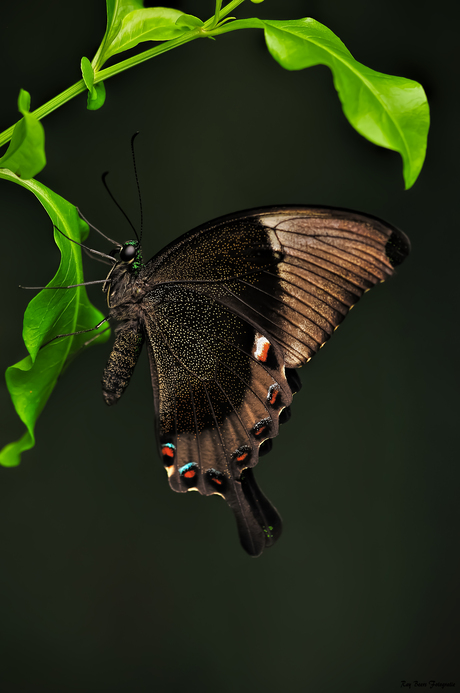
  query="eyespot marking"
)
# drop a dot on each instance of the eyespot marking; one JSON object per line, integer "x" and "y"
{"x": 216, "y": 478}
{"x": 273, "y": 394}
{"x": 189, "y": 470}
{"x": 242, "y": 453}
{"x": 261, "y": 427}
{"x": 168, "y": 452}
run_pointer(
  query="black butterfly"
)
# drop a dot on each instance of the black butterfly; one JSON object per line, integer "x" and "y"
{"x": 229, "y": 311}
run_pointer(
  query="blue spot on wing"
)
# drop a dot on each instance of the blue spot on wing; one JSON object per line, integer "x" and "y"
{"x": 187, "y": 467}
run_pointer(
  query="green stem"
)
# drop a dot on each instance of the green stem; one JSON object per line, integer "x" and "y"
{"x": 48, "y": 107}
{"x": 102, "y": 75}
{"x": 229, "y": 8}
{"x": 236, "y": 25}
{"x": 213, "y": 21}
{"x": 220, "y": 13}
{"x": 79, "y": 87}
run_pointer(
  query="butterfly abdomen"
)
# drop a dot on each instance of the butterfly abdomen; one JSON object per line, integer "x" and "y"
{"x": 121, "y": 363}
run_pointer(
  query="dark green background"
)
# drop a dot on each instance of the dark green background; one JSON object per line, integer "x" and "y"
{"x": 109, "y": 582}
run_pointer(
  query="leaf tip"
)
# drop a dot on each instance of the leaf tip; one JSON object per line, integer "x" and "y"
{"x": 23, "y": 101}
{"x": 10, "y": 456}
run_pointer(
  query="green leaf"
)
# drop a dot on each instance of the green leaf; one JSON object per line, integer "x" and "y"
{"x": 188, "y": 21}
{"x": 25, "y": 155}
{"x": 116, "y": 11}
{"x": 96, "y": 97}
{"x": 87, "y": 73}
{"x": 389, "y": 111}
{"x": 23, "y": 101}
{"x": 96, "y": 93}
{"x": 50, "y": 313}
{"x": 149, "y": 24}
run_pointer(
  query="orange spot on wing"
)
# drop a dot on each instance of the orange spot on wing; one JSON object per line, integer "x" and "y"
{"x": 261, "y": 348}
{"x": 190, "y": 474}
{"x": 264, "y": 352}
{"x": 242, "y": 457}
{"x": 260, "y": 430}
{"x": 275, "y": 394}
{"x": 166, "y": 450}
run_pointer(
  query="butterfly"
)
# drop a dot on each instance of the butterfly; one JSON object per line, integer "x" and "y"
{"x": 229, "y": 311}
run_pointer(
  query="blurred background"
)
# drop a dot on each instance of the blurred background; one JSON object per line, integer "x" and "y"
{"x": 109, "y": 582}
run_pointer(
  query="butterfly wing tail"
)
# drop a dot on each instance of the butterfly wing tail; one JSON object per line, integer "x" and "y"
{"x": 259, "y": 524}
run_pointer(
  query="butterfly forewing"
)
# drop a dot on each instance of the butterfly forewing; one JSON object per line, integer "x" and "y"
{"x": 228, "y": 310}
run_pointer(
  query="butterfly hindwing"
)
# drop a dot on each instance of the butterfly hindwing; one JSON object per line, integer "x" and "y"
{"x": 228, "y": 311}
{"x": 221, "y": 388}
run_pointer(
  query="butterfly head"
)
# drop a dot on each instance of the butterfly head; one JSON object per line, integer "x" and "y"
{"x": 130, "y": 254}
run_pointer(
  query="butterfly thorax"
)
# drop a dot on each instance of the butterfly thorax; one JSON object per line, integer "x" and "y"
{"x": 124, "y": 285}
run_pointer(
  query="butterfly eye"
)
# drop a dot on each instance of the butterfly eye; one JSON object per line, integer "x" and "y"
{"x": 128, "y": 252}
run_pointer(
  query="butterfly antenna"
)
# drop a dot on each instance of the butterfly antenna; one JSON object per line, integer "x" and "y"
{"x": 80, "y": 214}
{"x": 88, "y": 252}
{"x": 104, "y": 176}
{"x": 85, "y": 247}
{"x": 137, "y": 182}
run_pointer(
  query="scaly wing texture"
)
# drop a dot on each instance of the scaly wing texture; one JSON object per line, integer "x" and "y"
{"x": 234, "y": 306}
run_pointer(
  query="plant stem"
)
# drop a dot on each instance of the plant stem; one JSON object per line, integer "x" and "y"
{"x": 229, "y": 8}
{"x": 102, "y": 75}
{"x": 48, "y": 107}
{"x": 80, "y": 87}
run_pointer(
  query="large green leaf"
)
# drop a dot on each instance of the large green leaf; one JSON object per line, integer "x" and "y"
{"x": 25, "y": 155}
{"x": 116, "y": 11}
{"x": 50, "y": 313}
{"x": 149, "y": 24}
{"x": 389, "y": 111}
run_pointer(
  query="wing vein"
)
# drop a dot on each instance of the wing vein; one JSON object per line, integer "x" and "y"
{"x": 316, "y": 274}
{"x": 226, "y": 454}
{"x": 234, "y": 409}
{"x": 198, "y": 447}
{"x": 225, "y": 365}
{"x": 352, "y": 251}
{"x": 285, "y": 279}
{"x": 332, "y": 258}
{"x": 272, "y": 322}
{"x": 280, "y": 300}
